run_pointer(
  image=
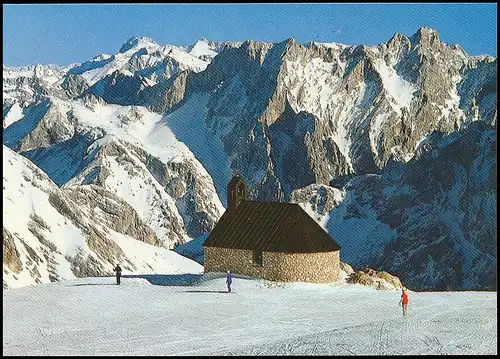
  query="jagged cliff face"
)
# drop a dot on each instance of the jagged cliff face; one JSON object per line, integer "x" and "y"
{"x": 447, "y": 221}
{"x": 332, "y": 111}
{"x": 165, "y": 127}
{"x": 131, "y": 157}
{"x": 340, "y": 110}
{"x": 431, "y": 221}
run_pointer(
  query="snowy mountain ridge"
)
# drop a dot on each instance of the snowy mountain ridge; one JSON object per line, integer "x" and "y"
{"x": 165, "y": 127}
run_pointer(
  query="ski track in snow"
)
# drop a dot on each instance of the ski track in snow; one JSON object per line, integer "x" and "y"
{"x": 92, "y": 316}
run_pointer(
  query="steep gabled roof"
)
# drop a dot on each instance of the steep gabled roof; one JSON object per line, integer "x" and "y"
{"x": 270, "y": 227}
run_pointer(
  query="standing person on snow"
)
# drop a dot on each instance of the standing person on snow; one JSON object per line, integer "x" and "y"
{"x": 229, "y": 280}
{"x": 118, "y": 271}
{"x": 404, "y": 302}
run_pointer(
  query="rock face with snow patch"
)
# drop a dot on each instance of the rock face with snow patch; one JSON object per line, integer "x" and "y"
{"x": 322, "y": 199}
{"x": 371, "y": 278}
{"x": 163, "y": 128}
{"x": 74, "y": 85}
{"x": 430, "y": 221}
{"x": 31, "y": 83}
{"x": 52, "y": 233}
{"x": 332, "y": 111}
{"x": 174, "y": 196}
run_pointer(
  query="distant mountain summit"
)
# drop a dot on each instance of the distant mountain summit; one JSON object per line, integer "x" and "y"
{"x": 137, "y": 43}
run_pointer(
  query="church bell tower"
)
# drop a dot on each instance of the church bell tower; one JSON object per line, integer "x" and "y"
{"x": 236, "y": 192}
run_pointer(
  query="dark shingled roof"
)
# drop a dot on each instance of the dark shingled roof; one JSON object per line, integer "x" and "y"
{"x": 270, "y": 227}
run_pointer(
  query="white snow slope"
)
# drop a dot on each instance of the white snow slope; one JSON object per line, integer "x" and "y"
{"x": 192, "y": 315}
{"x": 26, "y": 192}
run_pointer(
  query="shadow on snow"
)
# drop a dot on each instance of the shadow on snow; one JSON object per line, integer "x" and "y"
{"x": 169, "y": 280}
{"x": 79, "y": 285}
{"x": 205, "y": 291}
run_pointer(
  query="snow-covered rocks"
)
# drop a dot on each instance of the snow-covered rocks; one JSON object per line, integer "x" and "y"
{"x": 371, "y": 278}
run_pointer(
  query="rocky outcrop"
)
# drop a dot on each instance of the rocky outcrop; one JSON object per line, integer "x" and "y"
{"x": 117, "y": 88}
{"x": 44, "y": 124}
{"x": 322, "y": 199}
{"x": 10, "y": 253}
{"x": 371, "y": 278}
{"x": 192, "y": 193}
{"x": 52, "y": 128}
{"x": 74, "y": 85}
{"x": 165, "y": 95}
{"x": 84, "y": 265}
{"x": 112, "y": 211}
{"x": 430, "y": 221}
{"x": 96, "y": 238}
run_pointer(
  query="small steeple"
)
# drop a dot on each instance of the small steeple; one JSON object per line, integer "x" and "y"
{"x": 236, "y": 191}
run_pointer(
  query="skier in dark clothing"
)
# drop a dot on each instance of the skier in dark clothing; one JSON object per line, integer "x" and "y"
{"x": 229, "y": 280}
{"x": 118, "y": 271}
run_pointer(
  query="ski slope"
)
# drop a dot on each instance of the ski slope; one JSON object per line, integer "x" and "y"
{"x": 190, "y": 314}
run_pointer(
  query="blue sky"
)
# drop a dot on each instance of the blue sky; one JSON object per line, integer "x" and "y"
{"x": 63, "y": 34}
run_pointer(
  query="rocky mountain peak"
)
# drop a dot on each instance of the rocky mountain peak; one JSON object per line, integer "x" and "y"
{"x": 101, "y": 57}
{"x": 252, "y": 44}
{"x": 425, "y": 37}
{"x": 255, "y": 49}
{"x": 398, "y": 41}
{"x": 137, "y": 43}
{"x": 426, "y": 31}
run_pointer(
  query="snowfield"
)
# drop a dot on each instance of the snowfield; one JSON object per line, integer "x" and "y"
{"x": 190, "y": 314}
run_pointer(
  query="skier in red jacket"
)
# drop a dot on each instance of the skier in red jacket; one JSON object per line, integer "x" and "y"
{"x": 404, "y": 302}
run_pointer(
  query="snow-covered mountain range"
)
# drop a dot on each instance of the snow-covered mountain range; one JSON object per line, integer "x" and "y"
{"x": 392, "y": 148}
